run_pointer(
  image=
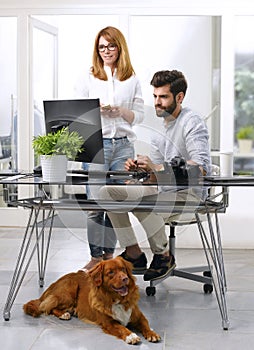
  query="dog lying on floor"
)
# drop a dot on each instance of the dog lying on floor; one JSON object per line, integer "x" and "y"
{"x": 106, "y": 295}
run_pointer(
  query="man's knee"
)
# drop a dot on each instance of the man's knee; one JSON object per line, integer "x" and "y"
{"x": 112, "y": 193}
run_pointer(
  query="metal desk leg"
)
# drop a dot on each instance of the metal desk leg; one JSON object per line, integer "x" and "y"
{"x": 26, "y": 253}
{"x": 43, "y": 244}
{"x": 214, "y": 256}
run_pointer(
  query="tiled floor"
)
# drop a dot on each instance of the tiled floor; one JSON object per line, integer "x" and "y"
{"x": 185, "y": 317}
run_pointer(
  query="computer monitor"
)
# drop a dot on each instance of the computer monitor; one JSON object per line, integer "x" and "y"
{"x": 83, "y": 116}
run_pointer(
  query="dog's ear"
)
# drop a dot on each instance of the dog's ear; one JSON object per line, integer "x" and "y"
{"x": 96, "y": 274}
{"x": 128, "y": 265}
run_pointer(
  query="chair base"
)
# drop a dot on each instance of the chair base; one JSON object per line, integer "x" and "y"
{"x": 212, "y": 280}
{"x": 189, "y": 273}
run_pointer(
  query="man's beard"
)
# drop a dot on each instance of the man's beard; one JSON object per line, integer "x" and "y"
{"x": 167, "y": 112}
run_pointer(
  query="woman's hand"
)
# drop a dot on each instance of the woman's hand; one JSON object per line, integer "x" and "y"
{"x": 117, "y": 112}
{"x": 111, "y": 111}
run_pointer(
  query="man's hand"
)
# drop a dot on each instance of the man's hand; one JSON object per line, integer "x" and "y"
{"x": 145, "y": 163}
{"x": 142, "y": 162}
{"x": 130, "y": 164}
{"x": 191, "y": 162}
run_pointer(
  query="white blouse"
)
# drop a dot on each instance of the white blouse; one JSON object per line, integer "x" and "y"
{"x": 116, "y": 93}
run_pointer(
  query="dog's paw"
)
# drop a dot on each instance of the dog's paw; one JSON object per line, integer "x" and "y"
{"x": 132, "y": 339}
{"x": 152, "y": 336}
{"x": 66, "y": 316}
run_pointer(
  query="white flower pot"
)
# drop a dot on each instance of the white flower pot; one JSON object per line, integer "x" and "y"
{"x": 54, "y": 168}
{"x": 245, "y": 146}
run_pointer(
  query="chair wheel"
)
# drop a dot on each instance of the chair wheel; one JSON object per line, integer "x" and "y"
{"x": 208, "y": 288}
{"x": 150, "y": 291}
{"x": 207, "y": 274}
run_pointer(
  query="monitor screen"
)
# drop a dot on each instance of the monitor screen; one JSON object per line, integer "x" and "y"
{"x": 83, "y": 116}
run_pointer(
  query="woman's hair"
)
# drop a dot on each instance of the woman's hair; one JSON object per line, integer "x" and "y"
{"x": 124, "y": 66}
{"x": 174, "y": 78}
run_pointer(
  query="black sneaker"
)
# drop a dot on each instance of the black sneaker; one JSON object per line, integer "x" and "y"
{"x": 139, "y": 264}
{"x": 160, "y": 266}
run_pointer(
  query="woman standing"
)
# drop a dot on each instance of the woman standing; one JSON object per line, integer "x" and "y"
{"x": 111, "y": 79}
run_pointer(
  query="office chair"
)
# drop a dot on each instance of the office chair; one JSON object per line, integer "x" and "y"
{"x": 215, "y": 196}
{"x": 212, "y": 275}
{"x": 188, "y": 272}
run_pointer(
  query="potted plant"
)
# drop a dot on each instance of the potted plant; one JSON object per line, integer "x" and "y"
{"x": 245, "y": 137}
{"x": 54, "y": 150}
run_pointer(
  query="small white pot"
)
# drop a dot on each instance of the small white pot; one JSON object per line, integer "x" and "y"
{"x": 54, "y": 168}
{"x": 245, "y": 146}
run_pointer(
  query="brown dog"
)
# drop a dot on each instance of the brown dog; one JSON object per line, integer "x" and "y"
{"x": 106, "y": 295}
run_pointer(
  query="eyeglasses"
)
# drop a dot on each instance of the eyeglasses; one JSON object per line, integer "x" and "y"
{"x": 110, "y": 47}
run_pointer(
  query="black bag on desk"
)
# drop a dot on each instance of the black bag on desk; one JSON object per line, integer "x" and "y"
{"x": 177, "y": 172}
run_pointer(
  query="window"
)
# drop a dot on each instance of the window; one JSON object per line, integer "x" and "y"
{"x": 8, "y": 96}
{"x": 8, "y": 92}
{"x": 244, "y": 95}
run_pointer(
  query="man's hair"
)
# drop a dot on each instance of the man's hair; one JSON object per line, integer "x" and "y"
{"x": 174, "y": 78}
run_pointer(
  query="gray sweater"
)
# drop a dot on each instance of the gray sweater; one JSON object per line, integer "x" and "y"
{"x": 186, "y": 136}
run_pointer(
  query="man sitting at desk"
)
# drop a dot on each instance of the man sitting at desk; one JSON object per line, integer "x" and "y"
{"x": 185, "y": 135}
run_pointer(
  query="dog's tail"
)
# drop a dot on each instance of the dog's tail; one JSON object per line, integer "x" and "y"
{"x": 32, "y": 308}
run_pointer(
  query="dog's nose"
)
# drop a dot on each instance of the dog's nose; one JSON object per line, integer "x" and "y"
{"x": 125, "y": 279}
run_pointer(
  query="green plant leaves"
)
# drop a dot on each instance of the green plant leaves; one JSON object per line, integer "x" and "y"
{"x": 60, "y": 142}
{"x": 246, "y": 132}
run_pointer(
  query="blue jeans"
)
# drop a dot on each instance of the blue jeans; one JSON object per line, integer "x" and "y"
{"x": 100, "y": 233}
